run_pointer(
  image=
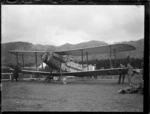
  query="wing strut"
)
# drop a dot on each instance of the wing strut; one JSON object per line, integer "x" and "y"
{"x": 110, "y": 58}
{"x": 68, "y": 60}
{"x": 115, "y": 57}
{"x": 23, "y": 60}
{"x": 36, "y": 60}
{"x": 42, "y": 62}
{"x": 17, "y": 57}
{"x": 60, "y": 68}
{"x": 87, "y": 61}
{"x": 82, "y": 58}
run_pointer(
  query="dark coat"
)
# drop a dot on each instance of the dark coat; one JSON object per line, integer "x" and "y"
{"x": 16, "y": 71}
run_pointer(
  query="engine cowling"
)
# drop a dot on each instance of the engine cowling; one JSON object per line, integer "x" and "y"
{"x": 52, "y": 60}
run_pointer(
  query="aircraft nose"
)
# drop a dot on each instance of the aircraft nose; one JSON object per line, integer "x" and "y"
{"x": 44, "y": 57}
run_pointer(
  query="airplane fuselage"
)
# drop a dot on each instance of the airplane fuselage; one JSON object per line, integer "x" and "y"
{"x": 56, "y": 62}
{"x": 51, "y": 61}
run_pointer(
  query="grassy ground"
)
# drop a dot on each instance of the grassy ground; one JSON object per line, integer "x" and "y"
{"x": 77, "y": 95}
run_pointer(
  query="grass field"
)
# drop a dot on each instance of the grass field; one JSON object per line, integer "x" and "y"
{"x": 76, "y": 95}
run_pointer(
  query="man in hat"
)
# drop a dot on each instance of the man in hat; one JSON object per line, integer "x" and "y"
{"x": 16, "y": 72}
{"x": 122, "y": 74}
{"x": 130, "y": 72}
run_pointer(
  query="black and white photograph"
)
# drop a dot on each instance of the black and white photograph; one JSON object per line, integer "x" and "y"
{"x": 76, "y": 58}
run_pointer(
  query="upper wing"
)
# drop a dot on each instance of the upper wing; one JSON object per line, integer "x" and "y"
{"x": 113, "y": 71}
{"x": 28, "y": 53}
{"x": 78, "y": 52}
{"x": 98, "y": 50}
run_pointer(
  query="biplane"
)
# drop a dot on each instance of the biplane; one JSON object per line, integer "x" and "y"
{"x": 60, "y": 67}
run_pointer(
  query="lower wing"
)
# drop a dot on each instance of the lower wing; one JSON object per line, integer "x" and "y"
{"x": 113, "y": 71}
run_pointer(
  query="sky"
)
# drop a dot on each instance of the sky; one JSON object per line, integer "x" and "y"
{"x": 60, "y": 24}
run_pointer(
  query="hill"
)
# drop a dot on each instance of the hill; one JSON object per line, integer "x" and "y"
{"x": 7, "y": 58}
{"x": 68, "y": 46}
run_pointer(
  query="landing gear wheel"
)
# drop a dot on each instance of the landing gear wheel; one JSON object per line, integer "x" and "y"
{"x": 64, "y": 80}
{"x": 48, "y": 79}
{"x": 95, "y": 77}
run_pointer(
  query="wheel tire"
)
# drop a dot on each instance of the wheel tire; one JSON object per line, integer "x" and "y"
{"x": 64, "y": 80}
{"x": 95, "y": 77}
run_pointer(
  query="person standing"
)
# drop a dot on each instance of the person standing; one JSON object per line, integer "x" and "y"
{"x": 16, "y": 72}
{"x": 129, "y": 72}
{"x": 122, "y": 74}
{"x": 12, "y": 76}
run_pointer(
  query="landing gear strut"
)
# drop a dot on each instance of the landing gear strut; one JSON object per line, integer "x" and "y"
{"x": 64, "y": 79}
{"x": 95, "y": 77}
{"x": 48, "y": 79}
